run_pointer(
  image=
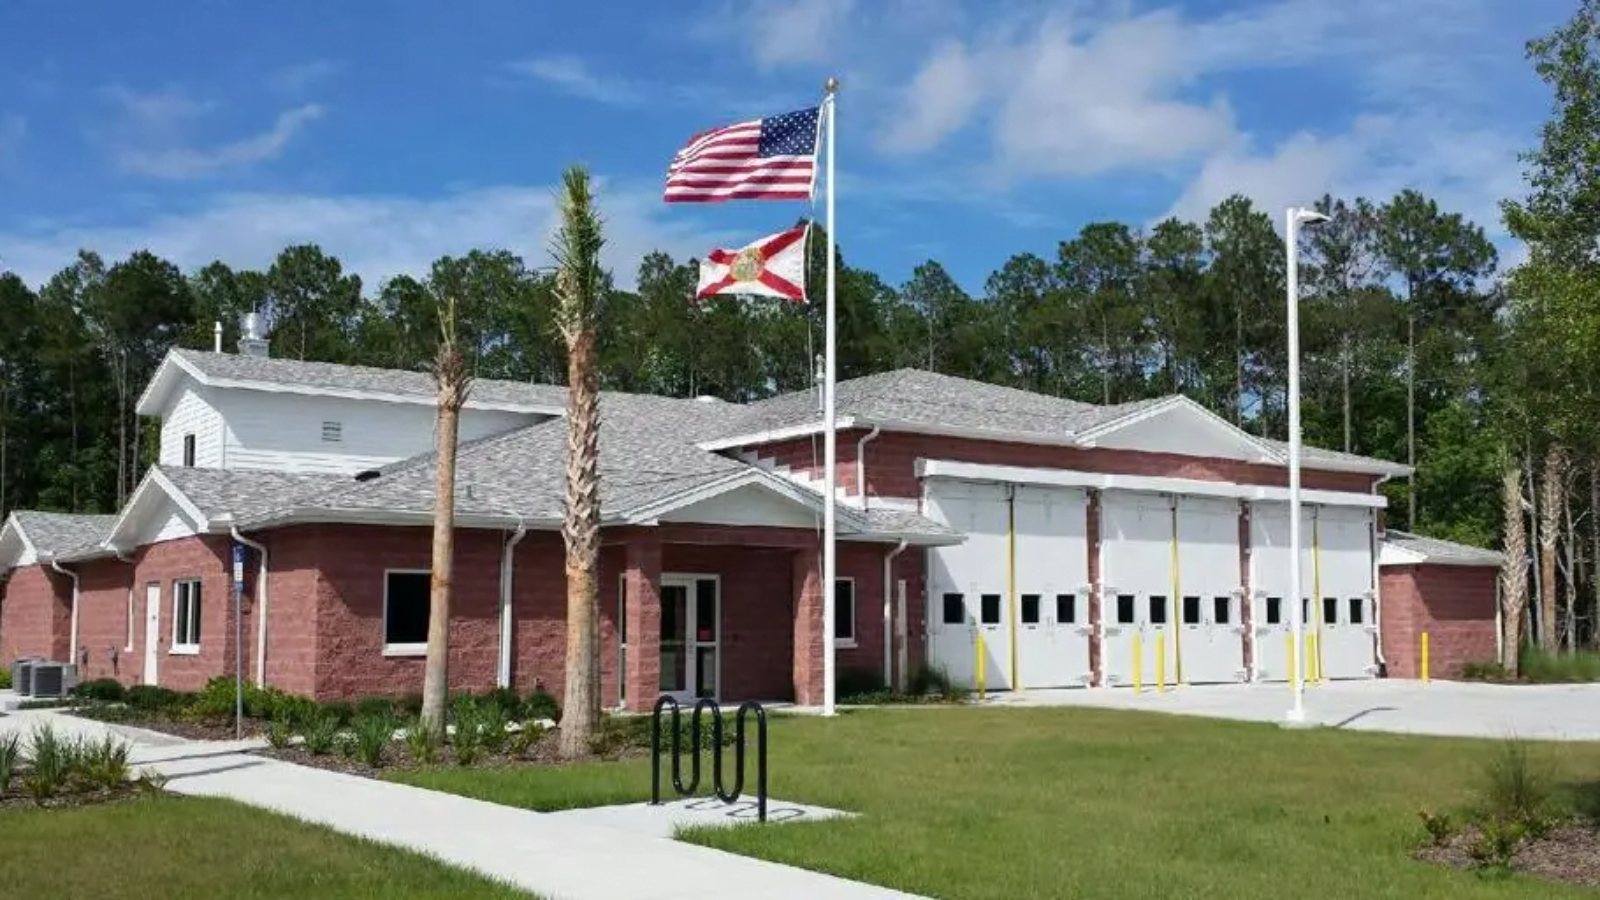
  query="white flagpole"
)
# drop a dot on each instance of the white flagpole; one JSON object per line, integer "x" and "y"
{"x": 829, "y": 441}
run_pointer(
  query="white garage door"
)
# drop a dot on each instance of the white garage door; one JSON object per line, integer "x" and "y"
{"x": 1210, "y": 633}
{"x": 1344, "y": 586}
{"x": 1136, "y": 576}
{"x": 1271, "y": 590}
{"x": 1052, "y": 584}
{"x": 967, "y": 583}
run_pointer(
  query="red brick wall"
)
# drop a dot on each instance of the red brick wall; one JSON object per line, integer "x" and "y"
{"x": 891, "y": 462}
{"x": 103, "y": 622}
{"x": 292, "y": 560}
{"x": 35, "y": 615}
{"x": 539, "y": 599}
{"x": 1455, "y": 605}
{"x": 205, "y": 557}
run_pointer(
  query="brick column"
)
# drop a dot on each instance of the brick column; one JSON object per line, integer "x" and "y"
{"x": 808, "y": 627}
{"x": 643, "y": 620}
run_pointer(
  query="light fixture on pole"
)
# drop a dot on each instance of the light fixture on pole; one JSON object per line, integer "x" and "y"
{"x": 1294, "y": 218}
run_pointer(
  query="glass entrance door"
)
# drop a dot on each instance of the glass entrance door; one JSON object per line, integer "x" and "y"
{"x": 691, "y": 633}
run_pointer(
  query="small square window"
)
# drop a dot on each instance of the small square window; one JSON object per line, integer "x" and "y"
{"x": 1066, "y": 609}
{"x": 955, "y": 609}
{"x": 1221, "y": 610}
{"x": 1274, "y": 610}
{"x": 332, "y": 432}
{"x": 1358, "y": 610}
{"x": 991, "y": 609}
{"x": 1330, "y": 610}
{"x": 1158, "y": 609}
{"x": 1030, "y": 609}
{"x": 1125, "y": 609}
{"x": 1191, "y": 610}
{"x": 406, "y": 609}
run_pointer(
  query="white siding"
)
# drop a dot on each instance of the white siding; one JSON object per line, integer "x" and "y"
{"x": 192, "y": 414}
{"x": 285, "y": 432}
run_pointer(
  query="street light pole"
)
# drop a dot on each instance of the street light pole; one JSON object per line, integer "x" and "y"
{"x": 1294, "y": 218}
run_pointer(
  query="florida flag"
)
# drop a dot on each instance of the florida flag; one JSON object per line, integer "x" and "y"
{"x": 774, "y": 266}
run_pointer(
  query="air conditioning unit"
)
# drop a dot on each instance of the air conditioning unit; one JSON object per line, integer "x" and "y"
{"x": 22, "y": 674}
{"x": 52, "y": 679}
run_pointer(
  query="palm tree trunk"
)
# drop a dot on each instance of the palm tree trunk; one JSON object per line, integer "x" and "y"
{"x": 1549, "y": 531}
{"x": 450, "y": 374}
{"x": 1514, "y": 567}
{"x": 581, "y": 711}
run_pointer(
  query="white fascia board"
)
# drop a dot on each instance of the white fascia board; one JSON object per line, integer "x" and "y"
{"x": 316, "y": 515}
{"x": 772, "y": 436}
{"x": 914, "y": 539}
{"x": 272, "y": 387}
{"x": 160, "y": 385}
{"x": 1391, "y": 555}
{"x": 157, "y": 482}
{"x": 1251, "y": 449}
{"x": 846, "y": 515}
{"x": 1355, "y": 466}
{"x": 15, "y": 548}
{"x": 976, "y": 434}
{"x": 937, "y": 468}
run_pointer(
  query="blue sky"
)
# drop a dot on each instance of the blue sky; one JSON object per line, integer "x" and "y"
{"x": 968, "y": 131}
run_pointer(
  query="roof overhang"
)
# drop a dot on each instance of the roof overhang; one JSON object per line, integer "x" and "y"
{"x": 174, "y": 369}
{"x": 320, "y": 515}
{"x": 154, "y": 492}
{"x": 1203, "y": 424}
{"x": 15, "y": 548}
{"x": 1392, "y": 554}
{"x": 964, "y": 471}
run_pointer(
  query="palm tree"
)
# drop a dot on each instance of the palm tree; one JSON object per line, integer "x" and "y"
{"x": 578, "y": 287}
{"x": 453, "y": 381}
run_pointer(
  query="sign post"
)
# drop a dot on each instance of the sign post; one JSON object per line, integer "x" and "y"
{"x": 238, "y": 641}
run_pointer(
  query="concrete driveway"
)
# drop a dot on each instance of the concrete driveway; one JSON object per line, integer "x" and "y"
{"x": 1447, "y": 708}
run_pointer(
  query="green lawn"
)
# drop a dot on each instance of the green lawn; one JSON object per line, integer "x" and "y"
{"x": 162, "y": 847}
{"x": 1014, "y": 803}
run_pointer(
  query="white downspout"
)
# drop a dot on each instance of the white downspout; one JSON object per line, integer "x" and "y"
{"x": 72, "y": 641}
{"x": 861, "y": 464}
{"x": 507, "y": 561}
{"x": 261, "y": 607}
{"x": 1377, "y": 580}
{"x": 888, "y": 606}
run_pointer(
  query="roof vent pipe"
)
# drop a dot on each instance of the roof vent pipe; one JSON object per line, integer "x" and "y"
{"x": 253, "y": 337}
{"x": 216, "y": 337}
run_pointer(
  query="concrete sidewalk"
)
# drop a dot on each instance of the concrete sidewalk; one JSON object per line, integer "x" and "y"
{"x": 554, "y": 856}
{"x": 1559, "y": 712}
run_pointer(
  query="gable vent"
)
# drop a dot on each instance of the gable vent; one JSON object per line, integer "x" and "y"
{"x": 332, "y": 432}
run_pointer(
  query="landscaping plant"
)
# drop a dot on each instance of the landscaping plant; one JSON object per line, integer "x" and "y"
{"x": 49, "y": 764}
{"x": 373, "y": 734}
{"x": 423, "y": 743}
{"x": 279, "y": 733}
{"x": 10, "y": 753}
{"x": 105, "y": 762}
{"x": 468, "y": 737}
{"x": 322, "y": 733}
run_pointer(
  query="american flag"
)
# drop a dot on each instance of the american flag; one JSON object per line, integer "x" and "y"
{"x": 774, "y": 158}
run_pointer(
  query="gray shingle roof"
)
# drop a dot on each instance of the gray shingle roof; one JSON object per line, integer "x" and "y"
{"x": 1443, "y": 552}
{"x": 219, "y": 492}
{"x": 332, "y": 376}
{"x": 1314, "y": 455}
{"x": 63, "y": 533}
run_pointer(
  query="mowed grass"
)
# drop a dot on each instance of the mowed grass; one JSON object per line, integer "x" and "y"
{"x": 162, "y": 847}
{"x": 1013, "y": 803}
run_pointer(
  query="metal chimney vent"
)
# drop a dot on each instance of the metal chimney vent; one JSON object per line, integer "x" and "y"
{"x": 253, "y": 336}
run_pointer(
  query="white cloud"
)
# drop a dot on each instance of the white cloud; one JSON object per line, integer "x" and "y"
{"x": 781, "y": 33}
{"x": 377, "y": 236}
{"x": 938, "y": 101}
{"x": 573, "y": 76}
{"x": 150, "y": 137}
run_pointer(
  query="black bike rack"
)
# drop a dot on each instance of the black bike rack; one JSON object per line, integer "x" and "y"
{"x": 726, "y": 796}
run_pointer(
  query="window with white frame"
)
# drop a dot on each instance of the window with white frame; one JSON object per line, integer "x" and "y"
{"x": 186, "y": 616}
{"x": 844, "y": 611}
{"x": 188, "y": 450}
{"x": 405, "y": 611}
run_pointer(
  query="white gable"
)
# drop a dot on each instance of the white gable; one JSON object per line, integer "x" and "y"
{"x": 157, "y": 511}
{"x": 16, "y": 550}
{"x": 1183, "y": 428}
{"x": 751, "y": 504}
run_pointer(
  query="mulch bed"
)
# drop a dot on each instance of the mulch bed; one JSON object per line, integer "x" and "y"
{"x": 16, "y": 799}
{"x": 1569, "y": 853}
{"x": 194, "y": 729}
{"x": 542, "y": 753}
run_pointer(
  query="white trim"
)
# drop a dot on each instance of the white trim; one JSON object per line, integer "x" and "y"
{"x": 28, "y": 555}
{"x": 1253, "y": 450}
{"x": 845, "y": 643}
{"x": 196, "y": 611}
{"x": 938, "y": 468}
{"x": 1394, "y": 555}
{"x": 687, "y": 581}
{"x": 164, "y": 484}
{"x": 408, "y": 648}
{"x": 790, "y": 432}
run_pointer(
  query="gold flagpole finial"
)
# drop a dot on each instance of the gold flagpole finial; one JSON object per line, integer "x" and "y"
{"x": 832, "y": 86}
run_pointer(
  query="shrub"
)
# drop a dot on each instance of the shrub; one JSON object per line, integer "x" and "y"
{"x": 279, "y": 733}
{"x": 374, "y": 706}
{"x": 927, "y": 680}
{"x": 1439, "y": 827}
{"x": 10, "y": 752}
{"x": 1515, "y": 791}
{"x": 523, "y": 739}
{"x": 1484, "y": 671}
{"x": 299, "y": 712}
{"x": 503, "y": 698}
{"x": 1497, "y": 843}
{"x": 49, "y": 764}
{"x": 541, "y": 704}
{"x": 468, "y": 740}
{"x": 343, "y": 713}
{"x": 5, "y": 678}
{"x": 373, "y": 734}
{"x": 105, "y": 762}
{"x": 321, "y": 733}
{"x": 1544, "y": 667}
{"x": 857, "y": 682}
{"x": 215, "y": 700}
{"x": 423, "y": 743}
{"x": 409, "y": 705}
{"x": 108, "y": 690}
{"x": 151, "y": 698}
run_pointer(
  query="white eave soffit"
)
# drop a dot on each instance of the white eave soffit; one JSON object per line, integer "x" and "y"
{"x": 964, "y": 471}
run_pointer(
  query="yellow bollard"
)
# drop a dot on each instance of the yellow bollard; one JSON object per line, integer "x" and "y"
{"x": 1424, "y": 657}
{"x": 1315, "y": 656}
{"x": 981, "y": 656}
{"x": 1138, "y": 663}
{"x": 1161, "y": 661}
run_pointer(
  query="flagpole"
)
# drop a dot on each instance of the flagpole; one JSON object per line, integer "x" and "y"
{"x": 829, "y": 440}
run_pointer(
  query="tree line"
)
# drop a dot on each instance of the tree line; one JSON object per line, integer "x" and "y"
{"x": 1415, "y": 346}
